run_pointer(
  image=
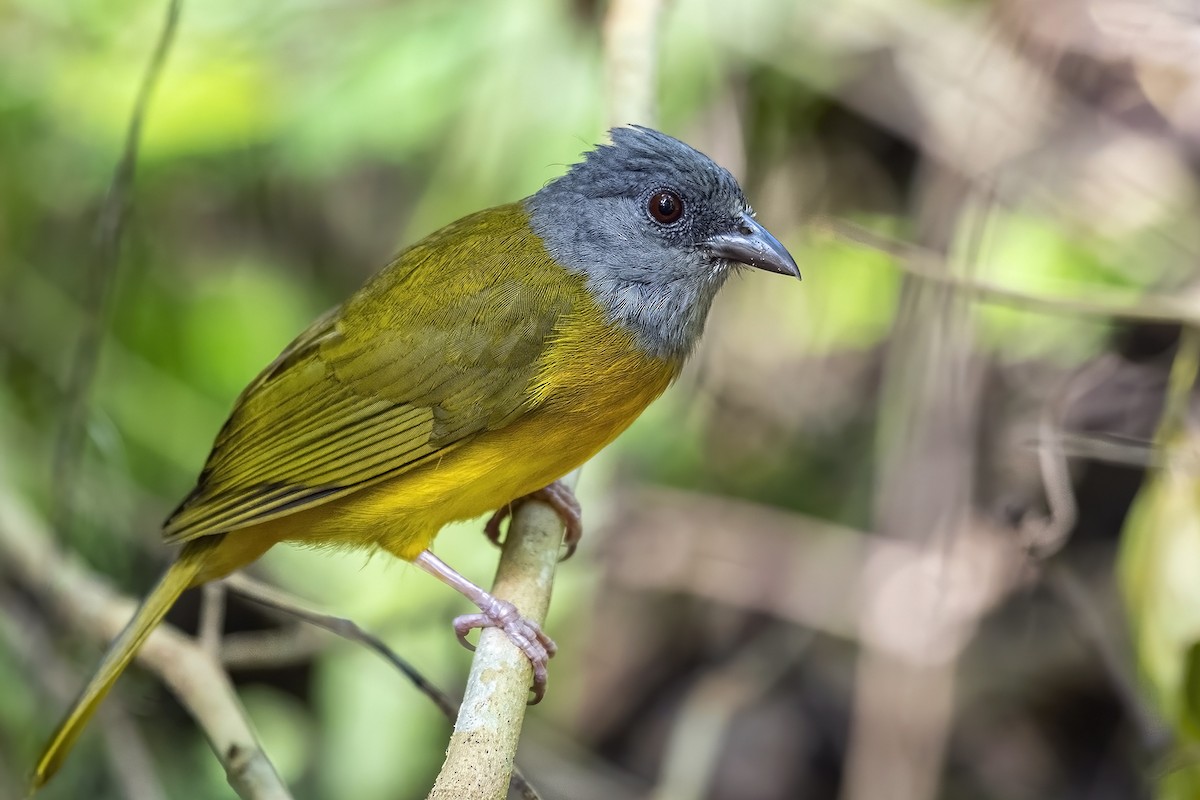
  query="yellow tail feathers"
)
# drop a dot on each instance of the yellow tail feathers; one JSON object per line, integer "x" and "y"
{"x": 178, "y": 577}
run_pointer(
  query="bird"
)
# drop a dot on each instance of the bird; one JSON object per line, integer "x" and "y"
{"x": 482, "y": 364}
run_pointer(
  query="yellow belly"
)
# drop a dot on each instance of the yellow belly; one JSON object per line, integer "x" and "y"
{"x": 593, "y": 383}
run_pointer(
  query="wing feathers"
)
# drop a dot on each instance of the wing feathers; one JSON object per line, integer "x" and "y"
{"x": 440, "y": 346}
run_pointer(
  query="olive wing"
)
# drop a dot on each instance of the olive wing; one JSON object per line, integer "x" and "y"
{"x": 422, "y": 360}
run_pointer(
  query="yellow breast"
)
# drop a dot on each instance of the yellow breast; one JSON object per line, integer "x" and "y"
{"x": 592, "y": 382}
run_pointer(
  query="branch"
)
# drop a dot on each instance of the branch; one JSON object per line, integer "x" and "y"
{"x": 212, "y": 617}
{"x": 701, "y": 728}
{"x": 930, "y": 266}
{"x": 1045, "y": 536}
{"x": 91, "y": 607}
{"x": 631, "y": 57}
{"x": 99, "y": 281}
{"x": 282, "y": 647}
{"x": 296, "y": 644}
{"x": 483, "y": 748}
{"x": 271, "y": 597}
{"x": 1095, "y": 632}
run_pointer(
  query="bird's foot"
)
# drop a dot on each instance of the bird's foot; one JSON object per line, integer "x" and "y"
{"x": 526, "y": 634}
{"x": 495, "y": 613}
{"x": 558, "y": 496}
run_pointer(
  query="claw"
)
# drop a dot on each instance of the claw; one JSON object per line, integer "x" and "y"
{"x": 526, "y": 634}
{"x": 559, "y": 497}
{"x": 465, "y": 624}
{"x": 492, "y": 529}
{"x": 495, "y": 613}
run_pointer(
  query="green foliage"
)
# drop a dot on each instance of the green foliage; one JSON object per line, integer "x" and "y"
{"x": 1158, "y": 566}
{"x": 1034, "y": 255}
{"x": 1159, "y": 571}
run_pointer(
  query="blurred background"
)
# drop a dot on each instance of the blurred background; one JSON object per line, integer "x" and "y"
{"x": 876, "y": 543}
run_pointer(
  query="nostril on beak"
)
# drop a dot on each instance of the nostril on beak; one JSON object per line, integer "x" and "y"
{"x": 745, "y": 229}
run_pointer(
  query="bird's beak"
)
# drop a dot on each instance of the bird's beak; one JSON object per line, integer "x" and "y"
{"x": 753, "y": 246}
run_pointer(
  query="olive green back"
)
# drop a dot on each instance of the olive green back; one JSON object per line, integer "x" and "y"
{"x": 440, "y": 346}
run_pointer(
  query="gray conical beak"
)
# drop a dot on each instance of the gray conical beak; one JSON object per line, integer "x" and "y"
{"x": 753, "y": 246}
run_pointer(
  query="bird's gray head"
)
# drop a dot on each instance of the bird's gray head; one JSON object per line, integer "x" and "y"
{"x": 655, "y": 226}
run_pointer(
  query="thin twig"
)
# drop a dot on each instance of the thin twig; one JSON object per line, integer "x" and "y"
{"x": 1107, "y": 449}
{"x": 91, "y": 607}
{"x": 1181, "y": 382}
{"x": 926, "y": 264}
{"x": 280, "y": 647}
{"x": 272, "y": 597}
{"x": 480, "y": 757}
{"x": 1045, "y": 537}
{"x": 99, "y": 282}
{"x": 701, "y": 728}
{"x": 295, "y": 643}
{"x": 1094, "y": 630}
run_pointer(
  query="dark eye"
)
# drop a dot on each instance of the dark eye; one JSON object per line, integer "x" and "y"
{"x": 666, "y": 206}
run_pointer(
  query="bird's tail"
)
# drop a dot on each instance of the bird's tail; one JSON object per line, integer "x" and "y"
{"x": 179, "y": 576}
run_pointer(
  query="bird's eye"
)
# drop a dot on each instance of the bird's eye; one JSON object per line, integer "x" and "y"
{"x": 666, "y": 206}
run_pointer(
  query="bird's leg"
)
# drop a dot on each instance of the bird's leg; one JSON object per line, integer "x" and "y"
{"x": 559, "y": 497}
{"x": 495, "y": 613}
